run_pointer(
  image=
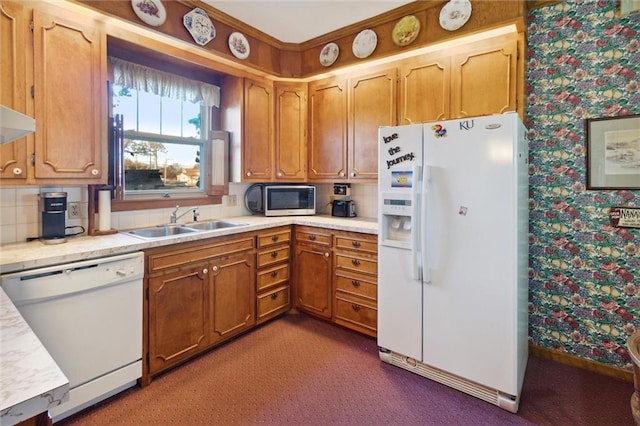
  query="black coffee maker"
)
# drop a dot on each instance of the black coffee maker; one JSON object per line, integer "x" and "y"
{"x": 53, "y": 207}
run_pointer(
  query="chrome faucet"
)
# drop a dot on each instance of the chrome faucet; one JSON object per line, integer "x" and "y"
{"x": 174, "y": 215}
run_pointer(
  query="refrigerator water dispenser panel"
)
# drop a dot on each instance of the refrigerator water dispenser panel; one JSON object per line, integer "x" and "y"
{"x": 396, "y": 222}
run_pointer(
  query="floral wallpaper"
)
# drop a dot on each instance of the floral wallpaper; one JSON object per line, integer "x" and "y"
{"x": 583, "y": 62}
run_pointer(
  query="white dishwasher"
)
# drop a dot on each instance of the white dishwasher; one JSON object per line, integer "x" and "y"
{"x": 88, "y": 315}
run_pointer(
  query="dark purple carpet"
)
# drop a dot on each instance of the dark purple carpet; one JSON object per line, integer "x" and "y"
{"x": 301, "y": 371}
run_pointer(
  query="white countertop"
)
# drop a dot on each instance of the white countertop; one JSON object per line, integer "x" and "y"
{"x": 30, "y": 380}
{"x": 28, "y": 255}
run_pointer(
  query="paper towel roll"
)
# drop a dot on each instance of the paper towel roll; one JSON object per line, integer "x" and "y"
{"x": 104, "y": 210}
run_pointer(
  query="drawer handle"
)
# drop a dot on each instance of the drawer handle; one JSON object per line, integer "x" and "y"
{"x": 312, "y": 237}
{"x": 274, "y": 238}
{"x": 355, "y": 262}
{"x": 274, "y": 254}
{"x": 355, "y": 283}
{"x": 355, "y": 307}
{"x": 274, "y": 296}
{"x": 356, "y": 244}
{"x": 274, "y": 274}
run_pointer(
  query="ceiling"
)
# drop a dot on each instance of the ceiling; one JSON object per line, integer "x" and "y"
{"x": 297, "y": 21}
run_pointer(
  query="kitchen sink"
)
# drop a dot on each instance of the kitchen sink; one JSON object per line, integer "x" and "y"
{"x": 160, "y": 231}
{"x": 211, "y": 225}
{"x": 175, "y": 230}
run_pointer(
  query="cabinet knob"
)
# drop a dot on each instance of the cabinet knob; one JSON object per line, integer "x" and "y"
{"x": 248, "y": 174}
{"x": 312, "y": 237}
{"x": 215, "y": 268}
{"x": 274, "y": 296}
{"x": 95, "y": 172}
{"x": 356, "y": 244}
{"x": 274, "y": 274}
{"x": 355, "y": 262}
{"x": 355, "y": 307}
{"x": 355, "y": 283}
{"x": 326, "y": 254}
{"x": 205, "y": 271}
{"x": 274, "y": 254}
{"x": 353, "y": 174}
{"x": 341, "y": 174}
{"x": 274, "y": 238}
{"x": 280, "y": 174}
{"x": 17, "y": 171}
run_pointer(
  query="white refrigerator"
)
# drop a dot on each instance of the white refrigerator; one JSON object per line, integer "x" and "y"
{"x": 452, "y": 253}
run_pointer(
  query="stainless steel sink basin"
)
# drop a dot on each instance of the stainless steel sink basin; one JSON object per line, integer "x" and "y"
{"x": 175, "y": 230}
{"x": 160, "y": 231}
{"x": 211, "y": 225}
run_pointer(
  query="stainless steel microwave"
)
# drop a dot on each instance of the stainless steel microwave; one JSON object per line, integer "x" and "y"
{"x": 289, "y": 200}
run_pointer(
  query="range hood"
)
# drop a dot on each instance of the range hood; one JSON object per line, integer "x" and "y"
{"x": 14, "y": 125}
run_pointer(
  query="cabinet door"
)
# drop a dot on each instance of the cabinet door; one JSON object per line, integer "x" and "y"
{"x": 233, "y": 295}
{"x": 13, "y": 86}
{"x": 291, "y": 131}
{"x": 424, "y": 89}
{"x": 472, "y": 92}
{"x": 372, "y": 103}
{"x": 328, "y": 129}
{"x": 313, "y": 279}
{"x": 257, "y": 138}
{"x": 178, "y": 315}
{"x": 70, "y": 98}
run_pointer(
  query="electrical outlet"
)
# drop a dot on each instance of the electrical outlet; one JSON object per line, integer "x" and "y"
{"x": 73, "y": 210}
{"x": 232, "y": 200}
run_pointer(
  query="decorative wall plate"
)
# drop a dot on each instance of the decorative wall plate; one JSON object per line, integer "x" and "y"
{"x": 364, "y": 44}
{"x": 329, "y": 54}
{"x": 199, "y": 25}
{"x": 455, "y": 14}
{"x": 151, "y": 12}
{"x": 406, "y": 30}
{"x": 239, "y": 45}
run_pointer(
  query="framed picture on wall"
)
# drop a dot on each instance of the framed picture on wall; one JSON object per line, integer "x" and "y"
{"x": 613, "y": 152}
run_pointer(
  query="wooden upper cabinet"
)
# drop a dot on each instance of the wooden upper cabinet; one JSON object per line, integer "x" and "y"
{"x": 14, "y": 25}
{"x": 424, "y": 89}
{"x": 372, "y": 103}
{"x": 69, "y": 98}
{"x": 472, "y": 91}
{"x": 291, "y": 131}
{"x": 257, "y": 124}
{"x": 327, "y": 151}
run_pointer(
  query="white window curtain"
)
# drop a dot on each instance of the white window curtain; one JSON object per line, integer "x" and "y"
{"x": 164, "y": 84}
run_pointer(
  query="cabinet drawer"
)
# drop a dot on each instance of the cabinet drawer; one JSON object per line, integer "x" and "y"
{"x": 271, "y": 238}
{"x": 273, "y": 302}
{"x": 355, "y": 285}
{"x": 358, "y": 264}
{"x": 273, "y": 276}
{"x": 356, "y": 315}
{"x": 310, "y": 235}
{"x": 269, "y": 257}
{"x": 356, "y": 243}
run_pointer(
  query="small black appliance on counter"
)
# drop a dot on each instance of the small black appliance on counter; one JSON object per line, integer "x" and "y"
{"x": 53, "y": 208}
{"x": 343, "y": 208}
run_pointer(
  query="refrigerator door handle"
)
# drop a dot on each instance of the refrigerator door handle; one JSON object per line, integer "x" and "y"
{"x": 424, "y": 246}
{"x": 416, "y": 256}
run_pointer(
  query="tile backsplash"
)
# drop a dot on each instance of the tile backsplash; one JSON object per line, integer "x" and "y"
{"x": 20, "y": 211}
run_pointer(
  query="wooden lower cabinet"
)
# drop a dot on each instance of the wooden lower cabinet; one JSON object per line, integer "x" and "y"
{"x": 356, "y": 281}
{"x": 272, "y": 273}
{"x": 232, "y": 295}
{"x": 312, "y": 263}
{"x": 198, "y": 294}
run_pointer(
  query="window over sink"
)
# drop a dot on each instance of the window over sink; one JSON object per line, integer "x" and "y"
{"x": 162, "y": 147}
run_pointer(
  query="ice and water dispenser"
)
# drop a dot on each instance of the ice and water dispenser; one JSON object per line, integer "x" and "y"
{"x": 396, "y": 224}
